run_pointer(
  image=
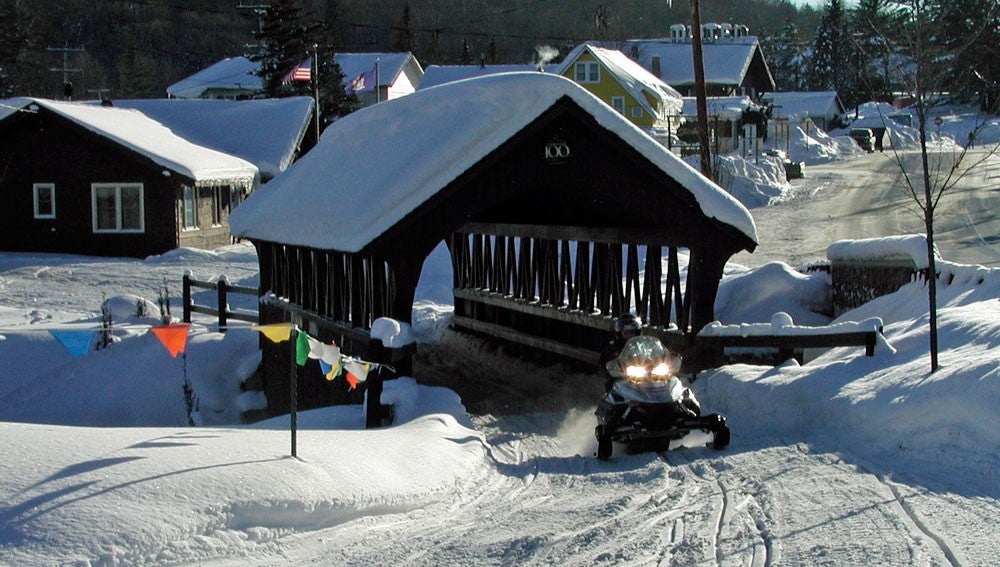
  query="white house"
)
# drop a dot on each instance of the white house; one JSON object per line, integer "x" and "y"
{"x": 396, "y": 75}
{"x": 821, "y": 107}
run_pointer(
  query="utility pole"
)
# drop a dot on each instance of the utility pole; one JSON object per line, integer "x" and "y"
{"x": 314, "y": 75}
{"x": 700, "y": 92}
{"x": 258, "y": 9}
{"x": 66, "y": 70}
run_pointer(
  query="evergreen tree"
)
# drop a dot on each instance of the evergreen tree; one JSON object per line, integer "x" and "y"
{"x": 829, "y": 50}
{"x": 285, "y": 40}
{"x": 465, "y": 57}
{"x": 491, "y": 52}
{"x": 15, "y": 42}
{"x": 785, "y": 54}
{"x": 404, "y": 40}
{"x": 969, "y": 31}
{"x": 289, "y": 36}
{"x": 876, "y": 26}
{"x": 333, "y": 23}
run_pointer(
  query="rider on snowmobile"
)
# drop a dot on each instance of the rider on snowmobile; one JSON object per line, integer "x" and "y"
{"x": 626, "y": 326}
{"x": 646, "y": 404}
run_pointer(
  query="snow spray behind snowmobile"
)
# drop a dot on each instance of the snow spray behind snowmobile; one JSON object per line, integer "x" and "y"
{"x": 647, "y": 408}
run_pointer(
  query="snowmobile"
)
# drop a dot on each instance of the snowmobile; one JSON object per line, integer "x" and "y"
{"x": 647, "y": 408}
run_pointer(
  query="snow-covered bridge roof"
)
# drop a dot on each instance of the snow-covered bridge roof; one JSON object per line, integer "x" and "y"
{"x": 375, "y": 166}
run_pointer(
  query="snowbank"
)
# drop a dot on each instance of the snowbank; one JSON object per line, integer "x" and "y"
{"x": 908, "y": 247}
{"x": 754, "y": 296}
{"x": 814, "y": 146}
{"x": 757, "y": 183}
{"x": 889, "y": 402}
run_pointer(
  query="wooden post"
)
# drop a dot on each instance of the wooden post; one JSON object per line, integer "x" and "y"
{"x": 186, "y": 297}
{"x": 700, "y": 91}
{"x": 373, "y": 412}
{"x": 293, "y": 400}
{"x": 222, "y": 289}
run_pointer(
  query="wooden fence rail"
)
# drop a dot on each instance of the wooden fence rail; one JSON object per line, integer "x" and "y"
{"x": 709, "y": 351}
{"x": 222, "y": 311}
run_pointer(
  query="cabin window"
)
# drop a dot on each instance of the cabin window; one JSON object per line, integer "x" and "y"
{"x": 618, "y": 103}
{"x": 117, "y": 207}
{"x": 189, "y": 206}
{"x": 588, "y": 72}
{"x": 221, "y": 195}
{"x": 45, "y": 200}
{"x": 636, "y": 112}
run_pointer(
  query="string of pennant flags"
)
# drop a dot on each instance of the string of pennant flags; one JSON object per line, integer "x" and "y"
{"x": 173, "y": 337}
{"x": 331, "y": 361}
{"x": 77, "y": 342}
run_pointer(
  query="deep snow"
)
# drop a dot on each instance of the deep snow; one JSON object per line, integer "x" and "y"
{"x": 845, "y": 459}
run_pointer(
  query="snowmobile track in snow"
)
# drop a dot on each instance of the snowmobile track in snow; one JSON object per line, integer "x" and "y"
{"x": 920, "y": 524}
{"x": 761, "y": 551}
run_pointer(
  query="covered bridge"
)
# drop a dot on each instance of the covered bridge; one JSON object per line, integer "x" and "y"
{"x": 558, "y": 213}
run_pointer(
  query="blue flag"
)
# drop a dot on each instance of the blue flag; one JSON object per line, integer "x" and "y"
{"x": 76, "y": 342}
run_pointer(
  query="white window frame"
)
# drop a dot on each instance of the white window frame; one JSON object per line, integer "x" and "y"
{"x": 587, "y": 72}
{"x": 191, "y": 208}
{"x": 636, "y": 112}
{"x": 94, "y": 187}
{"x": 36, "y": 189}
{"x": 618, "y": 103}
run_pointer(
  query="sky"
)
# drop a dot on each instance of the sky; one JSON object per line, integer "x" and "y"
{"x": 843, "y": 459}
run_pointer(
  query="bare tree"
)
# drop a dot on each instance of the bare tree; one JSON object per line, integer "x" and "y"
{"x": 942, "y": 167}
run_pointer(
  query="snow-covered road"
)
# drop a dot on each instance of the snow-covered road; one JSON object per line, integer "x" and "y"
{"x": 866, "y": 198}
{"x": 761, "y": 502}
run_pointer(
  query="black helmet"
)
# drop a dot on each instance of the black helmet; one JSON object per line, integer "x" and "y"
{"x": 628, "y": 322}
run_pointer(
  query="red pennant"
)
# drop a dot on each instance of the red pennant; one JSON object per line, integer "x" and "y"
{"x": 352, "y": 380}
{"x": 173, "y": 337}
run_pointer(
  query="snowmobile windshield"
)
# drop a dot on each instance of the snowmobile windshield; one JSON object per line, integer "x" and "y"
{"x": 643, "y": 350}
{"x": 644, "y": 358}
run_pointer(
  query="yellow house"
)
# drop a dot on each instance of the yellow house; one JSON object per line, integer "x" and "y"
{"x": 624, "y": 85}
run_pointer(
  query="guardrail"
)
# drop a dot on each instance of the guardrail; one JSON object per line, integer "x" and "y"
{"x": 222, "y": 311}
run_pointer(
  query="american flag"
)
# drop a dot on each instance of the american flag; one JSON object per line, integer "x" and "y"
{"x": 301, "y": 72}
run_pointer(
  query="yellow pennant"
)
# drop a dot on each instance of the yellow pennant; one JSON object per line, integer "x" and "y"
{"x": 276, "y": 332}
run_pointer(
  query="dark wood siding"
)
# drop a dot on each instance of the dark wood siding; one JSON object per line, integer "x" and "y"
{"x": 45, "y": 148}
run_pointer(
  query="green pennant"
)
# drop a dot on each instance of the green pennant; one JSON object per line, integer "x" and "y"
{"x": 301, "y": 349}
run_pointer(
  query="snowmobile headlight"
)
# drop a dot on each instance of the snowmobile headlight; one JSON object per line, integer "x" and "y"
{"x": 635, "y": 372}
{"x": 661, "y": 370}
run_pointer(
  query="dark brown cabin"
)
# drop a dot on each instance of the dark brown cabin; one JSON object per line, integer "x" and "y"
{"x": 547, "y": 229}
{"x": 77, "y": 179}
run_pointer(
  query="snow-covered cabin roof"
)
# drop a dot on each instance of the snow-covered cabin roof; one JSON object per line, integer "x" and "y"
{"x": 803, "y": 104}
{"x": 233, "y": 73}
{"x": 266, "y": 132}
{"x": 344, "y": 193}
{"x": 636, "y": 80}
{"x": 390, "y": 65}
{"x": 440, "y": 74}
{"x": 726, "y": 62}
{"x": 725, "y": 107}
{"x": 145, "y": 136}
